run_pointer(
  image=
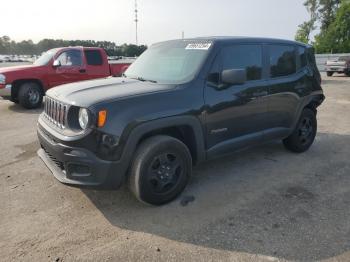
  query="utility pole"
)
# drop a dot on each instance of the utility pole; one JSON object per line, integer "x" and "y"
{"x": 136, "y": 21}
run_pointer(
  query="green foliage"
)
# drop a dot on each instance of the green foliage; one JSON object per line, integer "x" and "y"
{"x": 29, "y": 48}
{"x": 327, "y": 12}
{"x": 336, "y": 38}
{"x": 305, "y": 29}
{"x": 333, "y": 16}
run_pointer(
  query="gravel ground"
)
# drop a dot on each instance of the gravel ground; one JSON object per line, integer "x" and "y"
{"x": 262, "y": 204}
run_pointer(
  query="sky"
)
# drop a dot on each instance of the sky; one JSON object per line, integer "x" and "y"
{"x": 113, "y": 20}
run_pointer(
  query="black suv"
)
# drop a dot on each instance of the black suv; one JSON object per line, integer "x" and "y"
{"x": 180, "y": 103}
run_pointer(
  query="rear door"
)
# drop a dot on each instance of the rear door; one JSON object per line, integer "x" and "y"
{"x": 288, "y": 82}
{"x": 236, "y": 114}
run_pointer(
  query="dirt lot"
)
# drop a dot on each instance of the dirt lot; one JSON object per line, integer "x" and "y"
{"x": 263, "y": 204}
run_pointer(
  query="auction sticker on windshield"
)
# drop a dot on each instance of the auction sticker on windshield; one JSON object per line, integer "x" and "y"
{"x": 198, "y": 46}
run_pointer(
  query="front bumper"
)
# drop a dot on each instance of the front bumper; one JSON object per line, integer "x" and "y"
{"x": 77, "y": 166}
{"x": 340, "y": 69}
{"x": 5, "y": 90}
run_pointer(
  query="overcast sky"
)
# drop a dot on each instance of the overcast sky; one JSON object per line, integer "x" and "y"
{"x": 112, "y": 20}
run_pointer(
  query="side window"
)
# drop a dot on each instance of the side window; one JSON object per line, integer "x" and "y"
{"x": 282, "y": 60}
{"x": 70, "y": 58}
{"x": 93, "y": 57}
{"x": 247, "y": 57}
{"x": 301, "y": 58}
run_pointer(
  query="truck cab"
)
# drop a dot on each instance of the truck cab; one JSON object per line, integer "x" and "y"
{"x": 28, "y": 84}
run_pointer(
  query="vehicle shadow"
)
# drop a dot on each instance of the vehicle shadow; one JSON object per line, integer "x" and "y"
{"x": 19, "y": 109}
{"x": 264, "y": 201}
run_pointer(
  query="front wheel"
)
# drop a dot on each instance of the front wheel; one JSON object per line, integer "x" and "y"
{"x": 304, "y": 133}
{"x": 30, "y": 95}
{"x": 329, "y": 73}
{"x": 160, "y": 170}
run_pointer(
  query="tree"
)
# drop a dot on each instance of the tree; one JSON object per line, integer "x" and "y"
{"x": 327, "y": 12}
{"x": 336, "y": 38}
{"x": 5, "y": 45}
{"x": 305, "y": 29}
{"x": 27, "y": 47}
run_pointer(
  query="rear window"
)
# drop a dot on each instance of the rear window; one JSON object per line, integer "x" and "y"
{"x": 282, "y": 60}
{"x": 302, "y": 57}
{"x": 93, "y": 57}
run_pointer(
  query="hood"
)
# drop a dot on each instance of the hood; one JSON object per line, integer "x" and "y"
{"x": 336, "y": 62}
{"x": 16, "y": 68}
{"x": 88, "y": 93}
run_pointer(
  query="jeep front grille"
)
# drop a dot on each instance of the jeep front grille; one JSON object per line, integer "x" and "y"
{"x": 56, "y": 112}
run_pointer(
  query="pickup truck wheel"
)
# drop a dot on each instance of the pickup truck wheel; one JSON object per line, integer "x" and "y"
{"x": 30, "y": 95}
{"x": 304, "y": 134}
{"x": 160, "y": 170}
{"x": 329, "y": 73}
{"x": 14, "y": 99}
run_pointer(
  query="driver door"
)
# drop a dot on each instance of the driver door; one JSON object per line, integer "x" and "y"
{"x": 70, "y": 68}
{"x": 236, "y": 114}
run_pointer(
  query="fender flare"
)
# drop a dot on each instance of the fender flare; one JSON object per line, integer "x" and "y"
{"x": 316, "y": 96}
{"x": 24, "y": 80}
{"x": 139, "y": 131}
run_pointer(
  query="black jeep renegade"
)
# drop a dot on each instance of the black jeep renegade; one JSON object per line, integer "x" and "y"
{"x": 180, "y": 103}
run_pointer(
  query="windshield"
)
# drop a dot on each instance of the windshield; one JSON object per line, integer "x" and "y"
{"x": 45, "y": 57}
{"x": 172, "y": 62}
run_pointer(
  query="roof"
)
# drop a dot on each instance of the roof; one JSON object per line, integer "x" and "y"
{"x": 231, "y": 39}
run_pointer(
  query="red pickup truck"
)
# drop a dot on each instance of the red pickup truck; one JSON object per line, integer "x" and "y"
{"x": 27, "y": 84}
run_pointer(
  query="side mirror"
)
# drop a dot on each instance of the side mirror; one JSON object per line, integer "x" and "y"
{"x": 234, "y": 76}
{"x": 56, "y": 63}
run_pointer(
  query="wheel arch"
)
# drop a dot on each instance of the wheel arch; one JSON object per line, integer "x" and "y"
{"x": 312, "y": 102}
{"x": 17, "y": 84}
{"x": 185, "y": 128}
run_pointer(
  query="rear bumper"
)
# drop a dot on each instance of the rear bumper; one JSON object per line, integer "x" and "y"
{"x": 77, "y": 166}
{"x": 5, "y": 90}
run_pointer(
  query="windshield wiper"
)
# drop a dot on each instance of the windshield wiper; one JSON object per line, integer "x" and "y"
{"x": 143, "y": 79}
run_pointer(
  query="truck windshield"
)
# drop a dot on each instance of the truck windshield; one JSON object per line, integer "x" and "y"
{"x": 172, "y": 62}
{"x": 45, "y": 57}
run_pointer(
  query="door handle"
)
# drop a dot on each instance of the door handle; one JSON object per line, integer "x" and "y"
{"x": 82, "y": 70}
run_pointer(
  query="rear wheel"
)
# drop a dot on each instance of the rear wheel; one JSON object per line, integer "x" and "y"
{"x": 329, "y": 73}
{"x": 160, "y": 170}
{"x": 30, "y": 95}
{"x": 304, "y": 134}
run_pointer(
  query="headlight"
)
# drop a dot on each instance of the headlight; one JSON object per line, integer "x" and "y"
{"x": 2, "y": 79}
{"x": 83, "y": 118}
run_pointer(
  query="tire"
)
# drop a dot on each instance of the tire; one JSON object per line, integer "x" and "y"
{"x": 330, "y": 73}
{"x": 14, "y": 97}
{"x": 160, "y": 170}
{"x": 304, "y": 133}
{"x": 30, "y": 95}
